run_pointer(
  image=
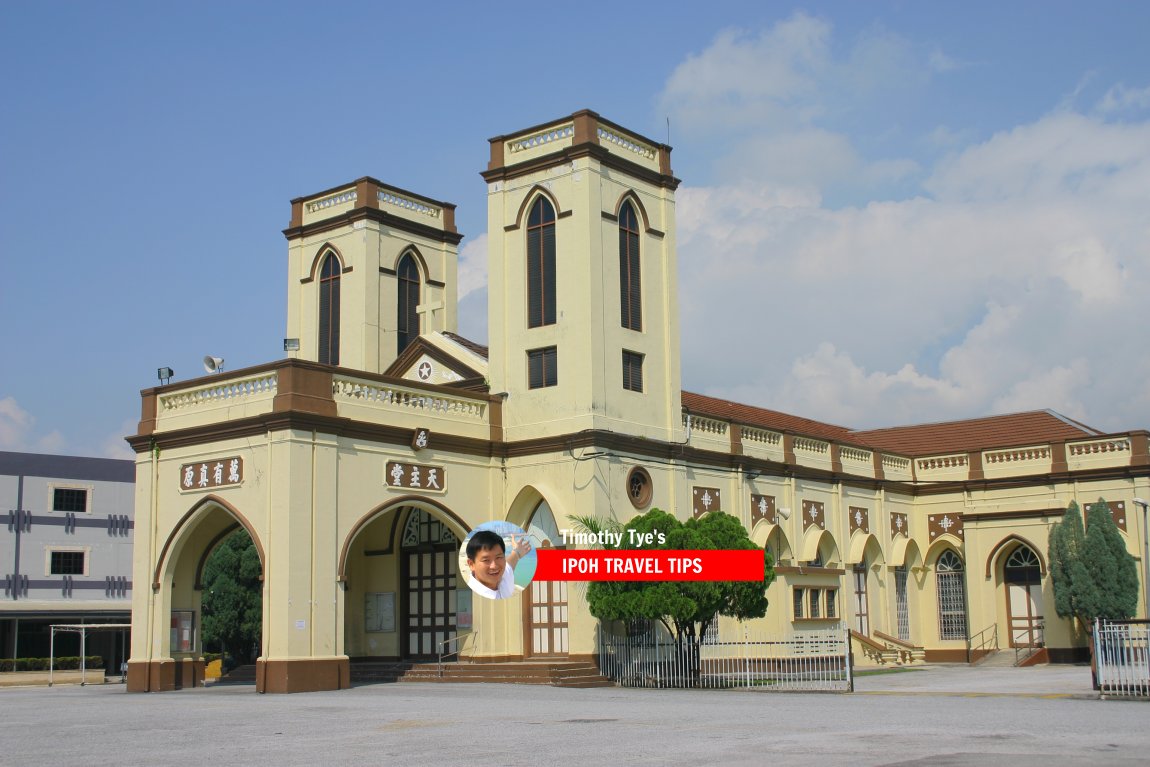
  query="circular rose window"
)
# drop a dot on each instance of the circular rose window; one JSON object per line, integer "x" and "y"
{"x": 639, "y": 487}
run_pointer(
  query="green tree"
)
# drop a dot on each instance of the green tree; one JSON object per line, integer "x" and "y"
{"x": 1113, "y": 568}
{"x": 232, "y": 606}
{"x": 1093, "y": 574}
{"x": 684, "y": 608}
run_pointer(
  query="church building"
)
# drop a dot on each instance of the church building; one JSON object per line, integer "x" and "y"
{"x": 360, "y": 461}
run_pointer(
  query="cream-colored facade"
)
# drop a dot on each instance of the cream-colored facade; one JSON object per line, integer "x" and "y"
{"x": 358, "y": 481}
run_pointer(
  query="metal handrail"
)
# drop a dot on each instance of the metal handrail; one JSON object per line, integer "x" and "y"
{"x": 987, "y": 644}
{"x": 1037, "y": 634}
{"x": 442, "y": 654}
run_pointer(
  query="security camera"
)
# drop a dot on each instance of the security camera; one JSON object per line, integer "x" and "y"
{"x": 1140, "y": 502}
{"x": 785, "y": 513}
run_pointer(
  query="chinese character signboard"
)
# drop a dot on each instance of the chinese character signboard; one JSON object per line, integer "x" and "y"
{"x": 415, "y": 476}
{"x": 209, "y": 475}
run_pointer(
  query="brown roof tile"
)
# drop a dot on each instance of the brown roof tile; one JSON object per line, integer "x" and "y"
{"x": 1014, "y": 429}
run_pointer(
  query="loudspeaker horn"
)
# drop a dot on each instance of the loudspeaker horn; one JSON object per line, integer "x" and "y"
{"x": 213, "y": 364}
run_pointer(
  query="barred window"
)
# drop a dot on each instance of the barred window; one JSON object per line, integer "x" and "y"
{"x": 815, "y": 603}
{"x": 67, "y": 563}
{"x": 69, "y": 499}
{"x": 950, "y": 584}
{"x": 542, "y": 368}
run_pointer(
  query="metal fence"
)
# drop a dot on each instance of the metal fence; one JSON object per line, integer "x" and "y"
{"x": 1122, "y": 658}
{"x": 807, "y": 661}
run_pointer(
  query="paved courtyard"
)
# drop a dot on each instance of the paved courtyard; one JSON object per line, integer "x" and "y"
{"x": 938, "y": 716}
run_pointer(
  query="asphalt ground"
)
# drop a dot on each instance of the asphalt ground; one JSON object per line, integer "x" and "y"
{"x": 938, "y": 716}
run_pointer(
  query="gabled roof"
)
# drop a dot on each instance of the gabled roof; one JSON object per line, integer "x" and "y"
{"x": 1010, "y": 430}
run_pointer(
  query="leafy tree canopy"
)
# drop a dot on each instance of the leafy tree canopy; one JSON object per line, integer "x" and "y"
{"x": 685, "y": 608}
{"x": 232, "y": 598}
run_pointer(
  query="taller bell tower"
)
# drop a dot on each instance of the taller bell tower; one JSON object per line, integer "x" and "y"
{"x": 583, "y": 319}
{"x": 370, "y": 268}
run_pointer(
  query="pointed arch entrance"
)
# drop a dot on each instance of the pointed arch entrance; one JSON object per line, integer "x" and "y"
{"x": 429, "y": 552}
{"x": 403, "y": 594}
{"x": 546, "y": 621}
{"x": 1022, "y": 574}
{"x": 174, "y": 627}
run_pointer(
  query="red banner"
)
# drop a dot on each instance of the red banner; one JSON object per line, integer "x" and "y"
{"x": 650, "y": 565}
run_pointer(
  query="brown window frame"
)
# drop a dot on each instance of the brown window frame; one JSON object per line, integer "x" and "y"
{"x": 407, "y": 301}
{"x": 630, "y": 270}
{"x": 547, "y": 374}
{"x": 329, "y": 310}
{"x": 541, "y": 264}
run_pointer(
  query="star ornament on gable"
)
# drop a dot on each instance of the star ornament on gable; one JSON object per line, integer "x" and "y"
{"x": 424, "y": 371}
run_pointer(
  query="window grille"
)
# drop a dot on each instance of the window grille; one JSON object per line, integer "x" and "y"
{"x": 950, "y": 583}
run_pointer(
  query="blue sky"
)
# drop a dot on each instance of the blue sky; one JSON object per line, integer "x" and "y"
{"x": 913, "y": 211}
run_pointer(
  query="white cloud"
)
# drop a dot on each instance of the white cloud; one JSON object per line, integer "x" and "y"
{"x": 472, "y": 272}
{"x": 1018, "y": 285}
{"x": 1121, "y": 98}
{"x": 114, "y": 445}
{"x": 17, "y": 431}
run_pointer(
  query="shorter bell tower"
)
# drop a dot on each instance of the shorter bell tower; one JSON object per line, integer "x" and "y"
{"x": 370, "y": 268}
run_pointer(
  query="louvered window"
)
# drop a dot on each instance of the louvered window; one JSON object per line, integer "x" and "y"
{"x": 632, "y": 371}
{"x": 541, "y": 264}
{"x": 630, "y": 284}
{"x": 329, "y": 310}
{"x": 408, "y": 320}
{"x": 541, "y": 368}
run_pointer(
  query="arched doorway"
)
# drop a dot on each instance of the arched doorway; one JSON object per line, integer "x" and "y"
{"x": 170, "y": 653}
{"x": 1022, "y": 574}
{"x": 950, "y": 586}
{"x": 546, "y": 601}
{"x": 429, "y": 553}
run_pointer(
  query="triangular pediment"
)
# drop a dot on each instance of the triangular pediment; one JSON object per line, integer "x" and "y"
{"x": 436, "y": 358}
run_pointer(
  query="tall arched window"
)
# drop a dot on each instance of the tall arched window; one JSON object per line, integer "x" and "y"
{"x": 541, "y": 264}
{"x": 329, "y": 310}
{"x": 408, "y": 321}
{"x": 950, "y": 581}
{"x": 630, "y": 284}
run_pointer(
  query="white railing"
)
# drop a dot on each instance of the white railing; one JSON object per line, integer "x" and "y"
{"x": 542, "y": 137}
{"x": 708, "y": 426}
{"x": 626, "y": 142}
{"x": 895, "y": 463}
{"x": 407, "y": 203}
{"x": 394, "y": 397}
{"x": 229, "y": 392}
{"x": 339, "y": 198}
{"x": 1016, "y": 455}
{"x": 1122, "y": 658}
{"x": 762, "y": 437}
{"x": 855, "y": 455}
{"x": 806, "y": 445}
{"x": 809, "y": 660}
{"x": 942, "y": 462}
